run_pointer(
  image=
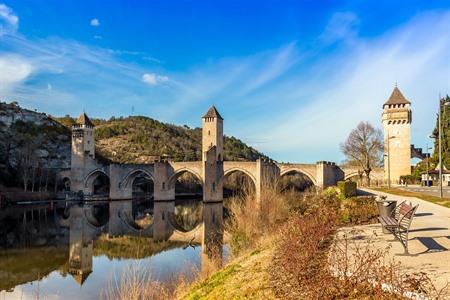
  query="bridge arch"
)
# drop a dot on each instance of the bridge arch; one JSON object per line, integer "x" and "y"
{"x": 65, "y": 182}
{"x": 301, "y": 171}
{"x": 128, "y": 180}
{"x": 231, "y": 190}
{"x": 353, "y": 174}
{"x": 177, "y": 173}
{"x": 92, "y": 177}
{"x": 246, "y": 172}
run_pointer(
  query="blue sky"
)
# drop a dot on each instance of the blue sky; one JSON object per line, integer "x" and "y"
{"x": 291, "y": 78}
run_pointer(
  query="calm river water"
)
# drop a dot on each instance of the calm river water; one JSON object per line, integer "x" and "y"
{"x": 67, "y": 250}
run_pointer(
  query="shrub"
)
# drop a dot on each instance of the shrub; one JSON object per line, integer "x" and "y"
{"x": 359, "y": 210}
{"x": 312, "y": 264}
{"x": 347, "y": 188}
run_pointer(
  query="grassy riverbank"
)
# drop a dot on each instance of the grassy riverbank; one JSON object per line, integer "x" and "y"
{"x": 299, "y": 256}
{"x": 246, "y": 277}
{"x": 444, "y": 202}
{"x": 288, "y": 249}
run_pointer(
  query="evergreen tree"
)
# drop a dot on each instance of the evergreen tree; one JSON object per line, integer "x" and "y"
{"x": 445, "y": 123}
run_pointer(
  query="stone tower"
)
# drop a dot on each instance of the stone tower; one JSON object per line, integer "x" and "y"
{"x": 396, "y": 120}
{"x": 212, "y": 156}
{"x": 83, "y": 149}
{"x": 212, "y": 133}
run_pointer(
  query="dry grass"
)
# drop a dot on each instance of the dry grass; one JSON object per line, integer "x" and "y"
{"x": 137, "y": 283}
{"x": 246, "y": 277}
{"x": 305, "y": 260}
{"x": 251, "y": 220}
{"x": 311, "y": 264}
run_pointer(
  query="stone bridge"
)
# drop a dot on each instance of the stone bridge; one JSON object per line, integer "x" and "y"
{"x": 376, "y": 174}
{"x": 210, "y": 171}
{"x": 164, "y": 175}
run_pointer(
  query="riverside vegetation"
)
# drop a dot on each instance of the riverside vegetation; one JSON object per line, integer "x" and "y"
{"x": 33, "y": 145}
{"x": 285, "y": 248}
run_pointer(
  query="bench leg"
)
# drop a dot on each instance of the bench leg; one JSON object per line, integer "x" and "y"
{"x": 404, "y": 242}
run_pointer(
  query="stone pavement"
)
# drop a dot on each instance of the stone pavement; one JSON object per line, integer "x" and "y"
{"x": 429, "y": 239}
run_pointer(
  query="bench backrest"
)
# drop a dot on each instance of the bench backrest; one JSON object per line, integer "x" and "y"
{"x": 404, "y": 213}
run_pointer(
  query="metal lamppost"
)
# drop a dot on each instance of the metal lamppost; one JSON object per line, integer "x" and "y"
{"x": 389, "y": 159}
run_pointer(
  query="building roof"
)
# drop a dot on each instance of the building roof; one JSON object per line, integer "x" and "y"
{"x": 436, "y": 170}
{"x": 80, "y": 278}
{"x": 212, "y": 113}
{"x": 83, "y": 119}
{"x": 397, "y": 98}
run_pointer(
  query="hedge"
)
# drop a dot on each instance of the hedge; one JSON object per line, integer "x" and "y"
{"x": 347, "y": 188}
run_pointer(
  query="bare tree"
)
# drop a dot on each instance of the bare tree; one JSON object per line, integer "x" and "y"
{"x": 364, "y": 147}
{"x": 26, "y": 154}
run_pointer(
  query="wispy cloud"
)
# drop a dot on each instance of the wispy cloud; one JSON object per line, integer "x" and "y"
{"x": 342, "y": 26}
{"x": 154, "y": 79}
{"x": 95, "y": 22}
{"x": 296, "y": 102}
{"x": 8, "y": 20}
{"x": 358, "y": 83}
{"x": 14, "y": 70}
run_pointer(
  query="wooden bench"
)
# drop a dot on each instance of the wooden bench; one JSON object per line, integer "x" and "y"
{"x": 399, "y": 222}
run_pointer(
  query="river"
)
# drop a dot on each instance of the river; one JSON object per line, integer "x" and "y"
{"x": 76, "y": 250}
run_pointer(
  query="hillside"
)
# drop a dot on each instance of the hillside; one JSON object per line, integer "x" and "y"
{"x": 139, "y": 139}
{"x": 34, "y": 145}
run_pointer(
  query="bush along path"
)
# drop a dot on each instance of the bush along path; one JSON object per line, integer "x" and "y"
{"x": 297, "y": 255}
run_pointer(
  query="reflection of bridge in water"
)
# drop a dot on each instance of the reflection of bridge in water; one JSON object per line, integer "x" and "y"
{"x": 84, "y": 228}
{"x": 97, "y": 227}
{"x": 89, "y": 177}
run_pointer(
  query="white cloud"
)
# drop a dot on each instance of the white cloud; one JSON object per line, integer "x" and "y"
{"x": 95, "y": 22}
{"x": 154, "y": 79}
{"x": 49, "y": 87}
{"x": 351, "y": 86}
{"x": 342, "y": 26}
{"x": 8, "y": 20}
{"x": 14, "y": 69}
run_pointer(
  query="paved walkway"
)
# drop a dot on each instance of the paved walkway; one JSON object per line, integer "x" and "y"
{"x": 429, "y": 240}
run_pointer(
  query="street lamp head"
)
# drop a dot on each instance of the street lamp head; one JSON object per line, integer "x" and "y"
{"x": 433, "y": 137}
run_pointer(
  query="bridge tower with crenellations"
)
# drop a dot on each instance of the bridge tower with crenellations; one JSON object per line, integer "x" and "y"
{"x": 83, "y": 150}
{"x": 212, "y": 156}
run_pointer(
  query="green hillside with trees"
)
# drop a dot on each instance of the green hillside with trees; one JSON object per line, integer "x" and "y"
{"x": 138, "y": 139}
{"x": 34, "y": 145}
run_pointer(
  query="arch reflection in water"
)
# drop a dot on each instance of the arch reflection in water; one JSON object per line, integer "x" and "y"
{"x": 91, "y": 256}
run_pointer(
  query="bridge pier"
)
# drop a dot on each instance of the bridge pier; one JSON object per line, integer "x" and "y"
{"x": 163, "y": 190}
{"x": 162, "y": 228}
{"x": 267, "y": 175}
{"x": 119, "y": 212}
{"x": 328, "y": 174}
{"x": 212, "y": 237}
